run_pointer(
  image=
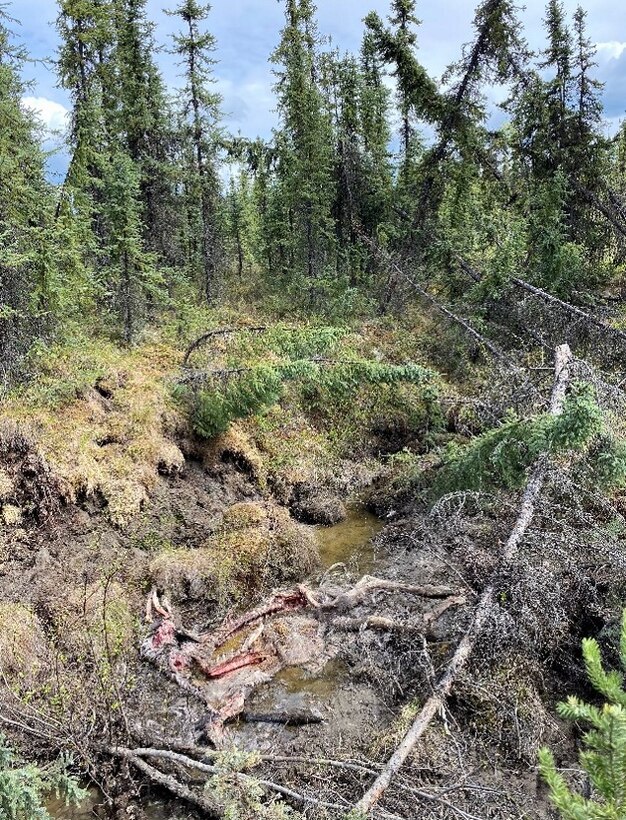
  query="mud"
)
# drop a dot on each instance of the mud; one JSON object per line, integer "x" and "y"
{"x": 358, "y": 683}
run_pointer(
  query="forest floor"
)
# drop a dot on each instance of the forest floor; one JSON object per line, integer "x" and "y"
{"x": 107, "y": 495}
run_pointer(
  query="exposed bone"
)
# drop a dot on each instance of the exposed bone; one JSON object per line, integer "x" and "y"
{"x": 289, "y": 601}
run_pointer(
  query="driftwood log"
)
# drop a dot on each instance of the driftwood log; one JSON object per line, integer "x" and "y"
{"x": 484, "y": 608}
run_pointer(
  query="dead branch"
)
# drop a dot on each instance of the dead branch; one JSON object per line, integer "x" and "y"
{"x": 220, "y": 331}
{"x": 389, "y": 625}
{"x": 182, "y": 757}
{"x": 353, "y": 597}
{"x": 484, "y": 609}
{"x": 550, "y": 299}
{"x": 209, "y": 807}
{"x": 135, "y": 757}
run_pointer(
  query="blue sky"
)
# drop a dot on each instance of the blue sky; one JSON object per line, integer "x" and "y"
{"x": 248, "y": 30}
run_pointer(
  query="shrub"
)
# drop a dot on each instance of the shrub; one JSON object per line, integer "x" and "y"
{"x": 24, "y": 786}
{"x": 604, "y": 743}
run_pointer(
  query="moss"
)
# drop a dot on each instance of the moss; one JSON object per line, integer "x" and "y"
{"x": 103, "y": 416}
{"x": 236, "y": 447}
{"x": 243, "y": 516}
{"x": 256, "y": 548}
{"x": 7, "y": 485}
{"x": 23, "y": 649}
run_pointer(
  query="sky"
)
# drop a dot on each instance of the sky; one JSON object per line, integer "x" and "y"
{"x": 248, "y": 30}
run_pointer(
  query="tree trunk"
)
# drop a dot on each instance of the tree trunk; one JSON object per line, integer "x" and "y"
{"x": 484, "y": 609}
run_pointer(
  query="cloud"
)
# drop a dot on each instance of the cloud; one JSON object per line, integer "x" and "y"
{"x": 612, "y": 50}
{"x": 53, "y": 115}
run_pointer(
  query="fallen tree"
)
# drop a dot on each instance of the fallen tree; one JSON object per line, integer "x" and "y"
{"x": 485, "y": 607}
{"x": 549, "y": 299}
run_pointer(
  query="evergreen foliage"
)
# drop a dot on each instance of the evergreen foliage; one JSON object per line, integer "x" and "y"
{"x": 502, "y": 456}
{"x": 215, "y": 408}
{"x": 199, "y": 116}
{"x": 25, "y": 786}
{"x": 311, "y": 358}
{"x": 32, "y": 260}
{"x": 604, "y": 743}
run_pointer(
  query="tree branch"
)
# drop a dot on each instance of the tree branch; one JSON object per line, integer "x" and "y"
{"x": 484, "y": 609}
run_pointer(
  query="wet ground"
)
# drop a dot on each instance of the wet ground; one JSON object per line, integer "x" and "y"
{"x": 346, "y": 547}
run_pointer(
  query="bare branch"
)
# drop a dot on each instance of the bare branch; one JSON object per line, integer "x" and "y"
{"x": 484, "y": 609}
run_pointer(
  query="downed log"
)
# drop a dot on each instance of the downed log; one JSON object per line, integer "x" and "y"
{"x": 484, "y": 608}
{"x": 353, "y": 597}
{"x": 482, "y": 340}
{"x": 550, "y": 299}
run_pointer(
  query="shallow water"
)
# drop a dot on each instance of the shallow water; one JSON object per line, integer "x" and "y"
{"x": 349, "y": 543}
{"x": 87, "y": 811}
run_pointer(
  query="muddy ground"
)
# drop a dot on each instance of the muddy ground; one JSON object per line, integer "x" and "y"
{"x": 60, "y": 558}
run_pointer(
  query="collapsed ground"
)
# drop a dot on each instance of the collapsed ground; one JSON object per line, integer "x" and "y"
{"x": 108, "y": 494}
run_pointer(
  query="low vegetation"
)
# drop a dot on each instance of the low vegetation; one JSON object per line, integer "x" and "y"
{"x": 211, "y": 343}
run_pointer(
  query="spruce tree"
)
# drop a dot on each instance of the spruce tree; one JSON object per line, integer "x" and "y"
{"x": 603, "y": 758}
{"x": 306, "y": 157}
{"x": 24, "y": 787}
{"x": 376, "y": 205}
{"x": 104, "y": 62}
{"x": 199, "y": 119}
{"x": 30, "y": 271}
{"x": 143, "y": 111}
{"x": 404, "y": 19}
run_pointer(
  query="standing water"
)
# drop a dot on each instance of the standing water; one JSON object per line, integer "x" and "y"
{"x": 349, "y": 543}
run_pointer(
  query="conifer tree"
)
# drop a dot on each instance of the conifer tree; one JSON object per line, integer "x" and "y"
{"x": 200, "y": 118}
{"x": 305, "y": 148}
{"x": 375, "y": 132}
{"x": 132, "y": 272}
{"x": 142, "y": 113}
{"x": 84, "y": 67}
{"x": 29, "y": 263}
{"x": 241, "y": 220}
{"x": 24, "y": 787}
{"x": 404, "y": 19}
{"x": 604, "y": 743}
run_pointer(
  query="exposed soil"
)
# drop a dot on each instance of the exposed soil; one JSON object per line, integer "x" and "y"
{"x": 71, "y": 568}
